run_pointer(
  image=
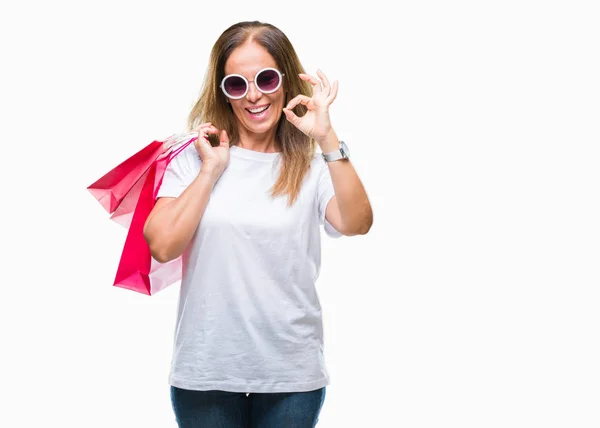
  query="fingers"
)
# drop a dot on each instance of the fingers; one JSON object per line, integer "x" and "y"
{"x": 334, "y": 91}
{"x": 206, "y": 128}
{"x": 200, "y": 141}
{"x": 299, "y": 99}
{"x": 203, "y": 130}
{"x": 322, "y": 86}
{"x": 203, "y": 126}
{"x": 308, "y": 101}
{"x": 289, "y": 115}
{"x": 224, "y": 138}
{"x": 316, "y": 84}
{"x": 200, "y": 145}
{"x": 209, "y": 132}
{"x": 325, "y": 80}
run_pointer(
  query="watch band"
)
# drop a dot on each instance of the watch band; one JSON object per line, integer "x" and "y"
{"x": 340, "y": 153}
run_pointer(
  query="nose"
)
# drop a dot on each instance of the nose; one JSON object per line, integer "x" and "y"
{"x": 253, "y": 94}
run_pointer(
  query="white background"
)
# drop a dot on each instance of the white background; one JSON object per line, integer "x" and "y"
{"x": 472, "y": 302}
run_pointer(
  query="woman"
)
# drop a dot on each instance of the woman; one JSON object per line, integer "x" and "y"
{"x": 245, "y": 215}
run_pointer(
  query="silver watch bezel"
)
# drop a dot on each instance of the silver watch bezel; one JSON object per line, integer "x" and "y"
{"x": 341, "y": 153}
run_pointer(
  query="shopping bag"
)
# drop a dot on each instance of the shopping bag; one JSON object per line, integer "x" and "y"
{"x": 112, "y": 187}
{"x": 138, "y": 270}
{"x": 124, "y": 212}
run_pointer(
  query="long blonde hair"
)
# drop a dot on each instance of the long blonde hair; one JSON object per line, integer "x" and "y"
{"x": 297, "y": 148}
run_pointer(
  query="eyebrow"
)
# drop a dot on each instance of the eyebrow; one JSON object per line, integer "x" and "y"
{"x": 254, "y": 73}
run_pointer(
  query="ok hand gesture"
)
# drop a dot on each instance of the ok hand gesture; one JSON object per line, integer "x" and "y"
{"x": 315, "y": 123}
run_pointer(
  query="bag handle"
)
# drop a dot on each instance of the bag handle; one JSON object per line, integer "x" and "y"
{"x": 171, "y": 150}
{"x": 180, "y": 148}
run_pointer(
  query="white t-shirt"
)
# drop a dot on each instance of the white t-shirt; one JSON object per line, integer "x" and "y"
{"x": 249, "y": 317}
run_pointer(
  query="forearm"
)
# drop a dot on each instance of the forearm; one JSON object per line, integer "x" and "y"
{"x": 169, "y": 230}
{"x": 353, "y": 202}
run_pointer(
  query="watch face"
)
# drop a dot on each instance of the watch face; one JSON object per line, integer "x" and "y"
{"x": 345, "y": 148}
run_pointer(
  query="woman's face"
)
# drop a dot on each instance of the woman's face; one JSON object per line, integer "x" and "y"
{"x": 247, "y": 60}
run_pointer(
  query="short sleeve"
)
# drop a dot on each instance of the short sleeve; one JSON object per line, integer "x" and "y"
{"x": 325, "y": 192}
{"x": 180, "y": 173}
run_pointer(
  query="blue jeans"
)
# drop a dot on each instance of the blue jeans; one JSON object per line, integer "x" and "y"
{"x": 221, "y": 409}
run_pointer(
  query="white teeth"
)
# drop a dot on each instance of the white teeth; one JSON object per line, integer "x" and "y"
{"x": 257, "y": 110}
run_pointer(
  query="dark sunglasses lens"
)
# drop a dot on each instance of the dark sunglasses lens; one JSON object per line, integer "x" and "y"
{"x": 267, "y": 80}
{"x": 235, "y": 86}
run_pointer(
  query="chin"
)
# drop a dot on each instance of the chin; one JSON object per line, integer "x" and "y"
{"x": 262, "y": 128}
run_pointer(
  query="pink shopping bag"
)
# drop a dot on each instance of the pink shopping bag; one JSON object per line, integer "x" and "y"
{"x": 111, "y": 189}
{"x": 137, "y": 270}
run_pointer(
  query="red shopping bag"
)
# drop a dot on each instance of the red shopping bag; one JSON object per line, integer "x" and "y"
{"x": 112, "y": 188}
{"x": 137, "y": 270}
{"x": 124, "y": 212}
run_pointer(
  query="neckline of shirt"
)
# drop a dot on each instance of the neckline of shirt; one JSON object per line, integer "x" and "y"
{"x": 253, "y": 154}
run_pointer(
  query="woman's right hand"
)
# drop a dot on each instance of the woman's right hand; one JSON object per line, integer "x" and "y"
{"x": 216, "y": 158}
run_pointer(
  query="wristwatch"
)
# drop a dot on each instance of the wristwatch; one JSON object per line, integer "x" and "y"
{"x": 341, "y": 153}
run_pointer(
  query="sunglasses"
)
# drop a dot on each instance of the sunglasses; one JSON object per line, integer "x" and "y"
{"x": 267, "y": 81}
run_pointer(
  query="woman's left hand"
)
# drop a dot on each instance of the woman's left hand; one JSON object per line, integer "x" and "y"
{"x": 315, "y": 123}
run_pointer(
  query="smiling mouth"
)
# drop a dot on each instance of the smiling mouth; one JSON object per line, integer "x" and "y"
{"x": 258, "y": 110}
